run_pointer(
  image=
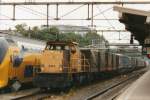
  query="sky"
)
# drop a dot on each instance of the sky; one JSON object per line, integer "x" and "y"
{"x": 38, "y": 12}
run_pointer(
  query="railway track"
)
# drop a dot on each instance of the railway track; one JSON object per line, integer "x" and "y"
{"x": 37, "y": 95}
{"x": 120, "y": 84}
{"x": 40, "y": 95}
{"x": 34, "y": 96}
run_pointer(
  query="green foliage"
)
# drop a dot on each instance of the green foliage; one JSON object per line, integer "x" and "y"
{"x": 21, "y": 28}
{"x": 53, "y": 34}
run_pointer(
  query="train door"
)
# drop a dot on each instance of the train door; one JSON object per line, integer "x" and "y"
{"x": 15, "y": 66}
{"x": 106, "y": 61}
{"x": 113, "y": 62}
{"x": 117, "y": 62}
{"x": 109, "y": 68}
{"x": 99, "y": 61}
{"x": 94, "y": 60}
{"x": 103, "y": 61}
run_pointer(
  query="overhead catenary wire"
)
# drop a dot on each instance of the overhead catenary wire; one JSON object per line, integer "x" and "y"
{"x": 72, "y": 11}
{"x": 106, "y": 18}
{"x": 5, "y": 15}
{"x": 39, "y": 12}
{"x": 102, "y": 11}
{"x": 34, "y": 12}
{"x": 108, "y": 21}
{"x": 29, "y": 11}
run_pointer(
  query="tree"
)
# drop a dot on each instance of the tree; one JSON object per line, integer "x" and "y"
{"x": 48, "y": 33}
{"x": 34, "y": 32}
{"x": 53, "y": 33}
{"x": 53, "y": 30}
{"x": 21, "y": 29}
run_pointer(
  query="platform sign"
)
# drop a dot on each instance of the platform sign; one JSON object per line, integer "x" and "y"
{"x": 16, "y": 86}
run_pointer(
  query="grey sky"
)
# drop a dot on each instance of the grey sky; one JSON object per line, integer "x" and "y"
{"x": 26, "y": 12}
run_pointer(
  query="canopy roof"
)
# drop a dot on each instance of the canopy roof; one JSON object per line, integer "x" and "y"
{"x": 136, "y": 21}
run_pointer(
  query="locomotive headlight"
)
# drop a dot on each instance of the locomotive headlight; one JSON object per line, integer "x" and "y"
{"x": 42, "y": 69}
{"x": 79, "y": 61}
{"x": 60, "y": 68}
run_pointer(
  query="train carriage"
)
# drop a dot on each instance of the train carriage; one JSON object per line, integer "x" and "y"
{"x": 102, "y": 61}
{"x": 110, "y": 62}
{"x": 15, "y": 67}
{"x": 140, "y": 63}
{"x": 123, "y": 63}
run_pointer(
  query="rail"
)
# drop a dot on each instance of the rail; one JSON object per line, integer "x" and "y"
{"x": 40, "y": 95}
{"x": 100, "y": 93}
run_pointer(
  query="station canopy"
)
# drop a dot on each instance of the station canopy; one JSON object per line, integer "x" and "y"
{"x": 135, "y": 21}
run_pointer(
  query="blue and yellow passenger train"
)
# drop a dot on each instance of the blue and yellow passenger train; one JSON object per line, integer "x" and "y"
{"x": 16, "y": 65}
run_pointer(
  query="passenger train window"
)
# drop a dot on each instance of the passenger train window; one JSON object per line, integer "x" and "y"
{"x": 11, "y": 42}
{"x": 3, "y": 48}
{"x": 57, "y": 47}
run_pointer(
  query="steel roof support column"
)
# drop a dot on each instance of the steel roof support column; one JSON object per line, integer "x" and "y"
{"x": 88, "y": 13}
{"x": 92, "y": 15}
{"x": 47, "y": 19}
{"x": 14, "y": 12}
{"x": 57, "y": 11}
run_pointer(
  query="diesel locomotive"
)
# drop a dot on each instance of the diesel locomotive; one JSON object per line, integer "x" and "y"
{"x": 63, "y": 64}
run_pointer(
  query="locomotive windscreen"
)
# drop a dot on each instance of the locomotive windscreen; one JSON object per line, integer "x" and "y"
{"x": 3, "y": 48}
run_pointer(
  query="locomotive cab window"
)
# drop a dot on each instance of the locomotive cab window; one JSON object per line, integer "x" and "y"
{"x": 73, "y": 49}
{"x": 66, "y": 47}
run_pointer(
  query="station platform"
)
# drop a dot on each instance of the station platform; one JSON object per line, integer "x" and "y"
{"x": 139, "y": 90}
